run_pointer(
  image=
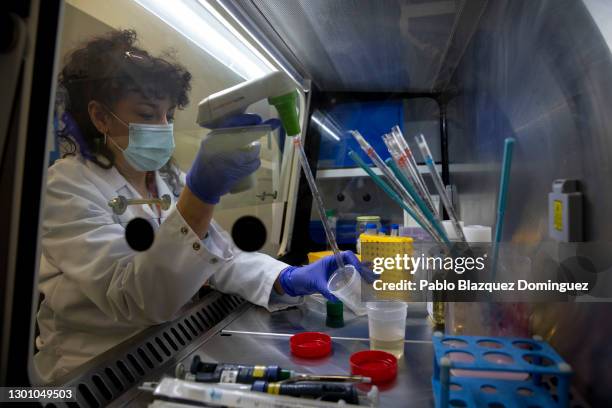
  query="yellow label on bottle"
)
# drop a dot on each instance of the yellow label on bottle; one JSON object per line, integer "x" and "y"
{"x": 558, "y": 215}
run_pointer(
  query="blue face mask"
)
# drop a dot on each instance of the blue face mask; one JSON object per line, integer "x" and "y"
{"x": 149, "y": 147}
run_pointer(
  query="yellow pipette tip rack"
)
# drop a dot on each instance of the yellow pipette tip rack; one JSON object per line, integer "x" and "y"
{"x": 315, "y": 256}
{"x": 377, "y": 246}
{"x": 384, "y": 246}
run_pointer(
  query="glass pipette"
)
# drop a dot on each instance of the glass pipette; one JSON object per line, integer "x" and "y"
{"x": 394, "y": 183}
{"x": 391, "y": 193}
{"x": 400, "y": 174}
{"x": 420, "y": 139}
{"x": 406, "y": 152}
{"x": 329, "y": 233}
{"x": 401, "y": 158}
{"x": 501, "y": 201}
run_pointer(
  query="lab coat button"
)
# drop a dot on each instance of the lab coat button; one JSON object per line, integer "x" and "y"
{"x": 184, "y": 230}
{"x": 214, "y": 260}
{"x": 196, "y": 246}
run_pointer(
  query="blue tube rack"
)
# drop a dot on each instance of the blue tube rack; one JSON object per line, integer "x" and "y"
{"x": 489, "y": 355}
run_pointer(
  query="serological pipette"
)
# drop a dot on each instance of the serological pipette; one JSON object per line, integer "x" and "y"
{"x": 400, "y": 158}
{"x": 424, "y": 147}
{"x": 411, "y": 164}
{"x": 394, "y": 182}
{"x": 329, "y": 233}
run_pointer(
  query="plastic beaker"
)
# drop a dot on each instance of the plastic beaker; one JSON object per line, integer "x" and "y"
{"x": 345, "y": 284}
{"x": 387, "y": 326}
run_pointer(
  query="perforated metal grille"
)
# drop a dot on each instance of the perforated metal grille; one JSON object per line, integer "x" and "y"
{"x": 153, "y": 350}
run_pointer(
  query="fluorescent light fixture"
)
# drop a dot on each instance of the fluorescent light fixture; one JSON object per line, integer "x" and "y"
{"x": 209, "y": 31}
{"x": 324, "y": 127}
{"x": 228, "y": 25}
{"x": 206, "y": 4}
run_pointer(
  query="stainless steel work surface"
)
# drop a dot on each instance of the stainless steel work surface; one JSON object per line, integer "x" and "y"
{"x": 412, "y": 386}
{"x": 260, "y": 337}
{"x": 299, "y": 319}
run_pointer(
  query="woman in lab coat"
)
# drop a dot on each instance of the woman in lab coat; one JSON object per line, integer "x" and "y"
{"x": 119, "y": 103}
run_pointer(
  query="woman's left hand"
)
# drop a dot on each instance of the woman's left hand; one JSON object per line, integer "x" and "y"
{"x": 309, "y": 279}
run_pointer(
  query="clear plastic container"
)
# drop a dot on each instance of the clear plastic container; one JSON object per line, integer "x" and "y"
{"x": 345, "y": 284}
{"x": 387, "y": 326}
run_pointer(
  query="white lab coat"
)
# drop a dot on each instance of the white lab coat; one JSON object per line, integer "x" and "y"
{"x": 99, "y": 292}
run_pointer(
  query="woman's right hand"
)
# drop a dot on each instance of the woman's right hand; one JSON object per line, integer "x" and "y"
{"x": 214, "y": 173}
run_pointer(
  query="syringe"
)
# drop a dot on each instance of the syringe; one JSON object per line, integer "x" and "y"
{"x": 329, "y": 233}
{"x": 424, "y": 147}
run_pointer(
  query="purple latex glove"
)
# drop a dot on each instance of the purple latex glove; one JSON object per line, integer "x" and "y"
{"x": 309, "y": 279}
{"x": 213, "y": 174}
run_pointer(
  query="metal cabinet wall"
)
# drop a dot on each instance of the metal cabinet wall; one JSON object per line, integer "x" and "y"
{"x": 541, "y": 72}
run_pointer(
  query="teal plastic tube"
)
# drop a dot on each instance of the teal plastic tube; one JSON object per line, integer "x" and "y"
{"x": 384, "y": 186}
{"x": 417, "y": 199}
{"x": 501, "y": 200}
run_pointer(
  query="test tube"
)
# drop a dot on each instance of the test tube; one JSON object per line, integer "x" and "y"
{"x": 420, "y": 139}
{"x": 329, "y": 233}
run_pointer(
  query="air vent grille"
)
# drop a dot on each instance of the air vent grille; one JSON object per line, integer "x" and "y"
{"x": 154, "y": 349}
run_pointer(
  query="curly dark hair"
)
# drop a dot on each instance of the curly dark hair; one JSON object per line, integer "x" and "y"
{"x": 105, "y": 69}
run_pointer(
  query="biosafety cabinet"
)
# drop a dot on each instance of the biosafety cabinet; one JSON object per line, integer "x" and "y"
{"x": 466, "y": 74}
